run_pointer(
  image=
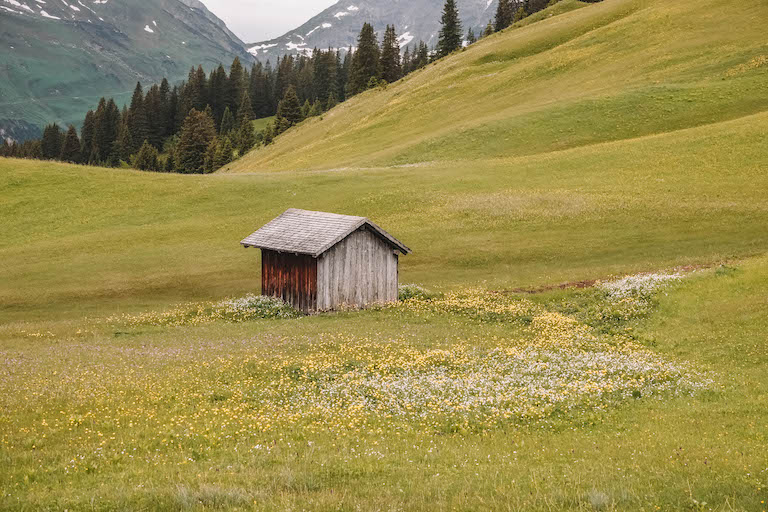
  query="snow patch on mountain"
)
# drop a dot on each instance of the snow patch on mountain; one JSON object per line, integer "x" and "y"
{"x": 46, "y": 15}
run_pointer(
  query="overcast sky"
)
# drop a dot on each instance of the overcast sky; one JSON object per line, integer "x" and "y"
{"x": 258, "y": 20}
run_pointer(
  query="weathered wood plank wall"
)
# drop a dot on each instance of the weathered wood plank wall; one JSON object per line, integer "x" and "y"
{"x": 358, "y": 271}
{"x": 291, "y": 277}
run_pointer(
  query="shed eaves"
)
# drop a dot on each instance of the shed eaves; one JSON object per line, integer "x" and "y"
{"x": 307, "y": 232}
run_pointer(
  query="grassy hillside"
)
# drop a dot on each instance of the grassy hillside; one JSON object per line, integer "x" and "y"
{"x": 615, "y": 138}
{"x": 116, "y": 238}
{"x": 616, "y": 70}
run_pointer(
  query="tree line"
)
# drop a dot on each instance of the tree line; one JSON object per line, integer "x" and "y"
{"x": 205, "y": 122}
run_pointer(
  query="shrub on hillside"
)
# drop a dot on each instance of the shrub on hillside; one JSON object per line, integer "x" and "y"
{"x": 413, "y": 291}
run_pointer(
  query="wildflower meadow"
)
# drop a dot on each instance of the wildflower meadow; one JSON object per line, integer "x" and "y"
{"x": 241, "y": 386}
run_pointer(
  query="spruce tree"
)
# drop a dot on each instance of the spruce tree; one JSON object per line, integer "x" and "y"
{"x": 332, "y": 102}
{"x": 488, "y": 29}
{"x": 245, "y": 109}
{"x": 173, "y": 106}
{"x": 259, "y": 92}
{"x": 153, "y": 106}
{"x": 422, "y": 56}
{"x": 218, "y": 94}
{"x": 391, "y": 69}
{"x": 165, "y": 115}
{"x": 70, "y": 151}
{"x": 289, "y": 110}
{"x": 86, "y": 139}
{"x": 305, "y": 109}
{"x": 449, "y": 39}
{"x": 503, "y": 15}
{"x": 342, "y": 77}
{"x": 52, "y": 142}
{"x": 137, "y": 119}
{"x": 315, "y": 110}
{"x": 124, "y": 143}
{"x": 197, "y": 132}
{"x": 223, "y": 154}
{"x": 365, "y": 60}
{"x": 227, "y": 122}
{"x": 269, "y": 133}
{"x": 235, "y": 86}
{"x": 520, "y": 14}
{"x": 210, "y": 156}
{"x": 471, "y": 39}
{"x": 170, "y": 163}
{"x": 246, "y": 138}
{"x": 147, "y": 158}
{"x": 407, "y": 60}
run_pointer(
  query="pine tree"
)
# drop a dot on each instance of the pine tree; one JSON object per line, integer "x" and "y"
{"x": 365, "y": 61}
{"x": 173, "y": 105}
{"x": 153, "y": 107}
{"x": 285, "y": 77}
{"x": 137, "y": 120}
{"x": 269, "y": 133}
{"x": 235, "y": 86}
{"x": 422, "y": 56}
{"x": 305, "y": 109}
{"x": 246, "y": 138}
{"x": 343, "y": 73}
{"x": 107, "y": 125}
{"x": 223, "y": 154}
{"x": 218, "y": 94}
{"x": 197, "y": 132}
{"x": 86, "y": 139}
{"x": 245, "y": 109}
{"x": 124, "y": 143}
{"x": 375, "y": 82}
{"x": 407, "y": 60}
{"x": 315, "y": 110}
{"x": 533, "y": 6}
{"x": 503, "y": 15}
{"x": 52, "y": 142}
{"x": 170, "y": 163}
{"x": 488, "y": 29}
{"x": 289, "y": 110}
{"x": 269, "y": 88}
{"x": 147, "y": 158}
{"x": 70, "y": 151}
{"x": 449, "y": 39}
{"x": 520, "y": 14}
{"x": 332, "y": 102}
{"x": 471, "y": 39}
{"x": 210, "y": 156}
{"x": 391, "y": 69}
{"x": 227, "y": 122}
{"x": 166, "y": 112}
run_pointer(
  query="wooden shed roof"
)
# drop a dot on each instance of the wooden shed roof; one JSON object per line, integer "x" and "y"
{"x": 313, "y": 233}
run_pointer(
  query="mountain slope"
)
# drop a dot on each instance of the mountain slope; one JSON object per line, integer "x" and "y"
{"x": 615, "y": 70}
{"x": 60, "y": 57}
{"x": 339, "y": 25}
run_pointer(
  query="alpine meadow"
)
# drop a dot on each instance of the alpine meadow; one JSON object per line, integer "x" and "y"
{"x": 582, "y": 323}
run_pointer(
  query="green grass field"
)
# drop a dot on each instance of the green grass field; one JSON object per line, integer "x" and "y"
{"x": 260, "y": 124}
{"x": 605, "y": 140}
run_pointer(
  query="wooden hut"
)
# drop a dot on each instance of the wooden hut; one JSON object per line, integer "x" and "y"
{"x": 320, "y": 261}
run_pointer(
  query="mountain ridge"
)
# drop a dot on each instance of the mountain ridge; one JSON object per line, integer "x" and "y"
{"x": 339, "y": 25}
{"x": 63, "y": 57}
